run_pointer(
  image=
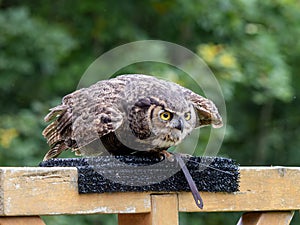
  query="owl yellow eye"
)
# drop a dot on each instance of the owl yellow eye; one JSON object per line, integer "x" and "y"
{"x": 187, "y": 116}
{"x": 165, "y": 115}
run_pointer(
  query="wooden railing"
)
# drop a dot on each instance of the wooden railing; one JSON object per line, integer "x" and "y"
{"x": 268, "y": 195}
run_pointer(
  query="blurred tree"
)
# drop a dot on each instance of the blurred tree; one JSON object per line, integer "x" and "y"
{"x": 31, "y": 53}
{"x": 251, "y": 46}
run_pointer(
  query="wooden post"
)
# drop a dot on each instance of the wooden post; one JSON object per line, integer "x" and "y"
{"x": 22, "y": 220}
{"x": 164, "y": 211}
{"x": 134, "y": 219}
{"x": 266, "y": 218}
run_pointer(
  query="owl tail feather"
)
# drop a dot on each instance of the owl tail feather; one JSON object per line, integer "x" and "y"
{"x": 55, "y": 151}
{"x": 50, "y": 133}
{"x": 57, "y": 130}
{"x": 54, "y": 112}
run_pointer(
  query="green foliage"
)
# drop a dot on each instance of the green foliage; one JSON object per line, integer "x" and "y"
{"x": 250, "y": 46}
{"x": 30, "y": 56}
{"x": 31, "y": 51}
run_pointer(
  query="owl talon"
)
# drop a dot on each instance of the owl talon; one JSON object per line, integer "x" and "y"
{"x": 167, "y": 155}
{"x": 184, "y": 155}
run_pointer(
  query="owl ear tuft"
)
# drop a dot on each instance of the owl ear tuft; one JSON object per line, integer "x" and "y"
{"x": 143, "y": 103}
{"x": 206, "y": 111}
{"x": 208, "y": 116}
{"x": 147, "y": 102}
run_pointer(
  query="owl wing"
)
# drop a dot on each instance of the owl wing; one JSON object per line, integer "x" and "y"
{"x": 206, "y": 110}
{"x": 75, "y": 125}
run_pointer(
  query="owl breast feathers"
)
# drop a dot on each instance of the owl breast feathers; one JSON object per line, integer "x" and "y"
{"x": 130, "y": 113}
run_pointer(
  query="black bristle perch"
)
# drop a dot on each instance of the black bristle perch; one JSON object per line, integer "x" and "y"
{"x": 138, "y": 174}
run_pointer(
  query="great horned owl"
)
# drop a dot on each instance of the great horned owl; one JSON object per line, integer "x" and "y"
{"x": 128, "y": 114}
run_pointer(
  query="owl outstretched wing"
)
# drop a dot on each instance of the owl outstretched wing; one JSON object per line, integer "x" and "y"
{"x": 76, "y": 123}
{"x": 206, "y": 110}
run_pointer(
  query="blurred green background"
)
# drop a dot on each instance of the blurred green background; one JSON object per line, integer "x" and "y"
{"x": 252, "y": 47}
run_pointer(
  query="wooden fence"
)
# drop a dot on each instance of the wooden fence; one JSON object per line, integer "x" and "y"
{"x": 268, "y": 195}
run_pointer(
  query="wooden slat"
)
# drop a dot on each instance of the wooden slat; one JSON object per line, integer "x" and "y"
{"x": 261, "y": 189}
{"x": 48, "y": 191}
{"x": 22, "y": 220}
{"x": 266, "y": 218}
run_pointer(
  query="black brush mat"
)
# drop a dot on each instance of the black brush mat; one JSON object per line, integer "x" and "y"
{"x": 138, "y": 174}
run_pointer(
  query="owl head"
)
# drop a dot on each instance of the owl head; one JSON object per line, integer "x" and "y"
{"x": 159, "y": 124}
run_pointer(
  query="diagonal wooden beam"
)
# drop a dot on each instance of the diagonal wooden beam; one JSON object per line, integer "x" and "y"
{"x": 266, "y": 218}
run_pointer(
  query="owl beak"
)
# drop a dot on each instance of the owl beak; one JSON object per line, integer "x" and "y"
{"x": 179, "y": 124}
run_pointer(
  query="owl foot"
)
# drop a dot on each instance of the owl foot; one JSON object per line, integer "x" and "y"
{"x": 167, "y": 155}
{"x": 184, "y": 155}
